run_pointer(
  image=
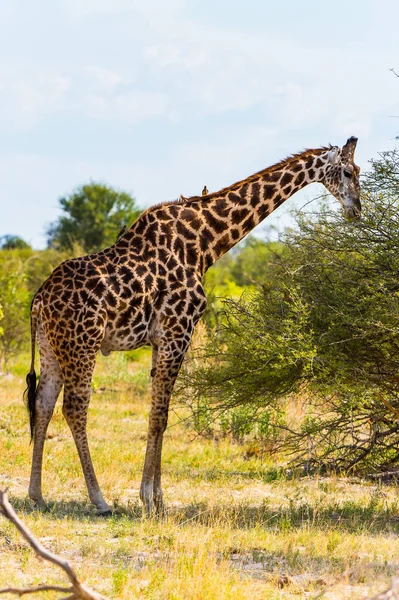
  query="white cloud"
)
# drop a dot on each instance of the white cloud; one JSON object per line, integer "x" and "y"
{"x": 170, "y": 61}
{"x": 103, "y": 79}
{"x": 171, "y": 54}
{"x": 26, "y": 96}
{"x": 88, "y": 8}
{"x": 137, "y": 105}
{"x": 300, "y": 82}
{"x": 29, "y": 97}
{"x": 151, "y": 8}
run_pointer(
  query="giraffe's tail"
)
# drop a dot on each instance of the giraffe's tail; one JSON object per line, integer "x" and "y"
{"x": 30, "y": 392}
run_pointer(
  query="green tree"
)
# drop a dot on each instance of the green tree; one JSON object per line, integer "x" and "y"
{"x": 325, "y": 324}
{"x": 93, "y": 216}
{"x": 12, "y": 242}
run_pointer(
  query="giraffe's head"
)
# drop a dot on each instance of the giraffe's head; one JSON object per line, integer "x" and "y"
{"x": 341, "y": 178}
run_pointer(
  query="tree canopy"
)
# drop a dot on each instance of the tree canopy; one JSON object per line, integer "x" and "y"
{"x": 93, "y": 216}
{"x": 13, "y": 242}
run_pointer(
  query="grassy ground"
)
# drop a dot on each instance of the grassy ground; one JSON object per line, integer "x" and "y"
{"x": 235, "y": 528}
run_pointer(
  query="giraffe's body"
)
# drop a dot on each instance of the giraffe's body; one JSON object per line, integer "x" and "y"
{"x": 146, "y": 289}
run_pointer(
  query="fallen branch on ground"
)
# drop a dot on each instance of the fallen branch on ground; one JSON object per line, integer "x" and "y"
{"x": 391, "y": 594}
{"x": 77, "y": 591}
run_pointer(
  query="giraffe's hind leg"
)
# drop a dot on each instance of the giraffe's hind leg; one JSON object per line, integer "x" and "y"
{"x": 77, "y": 392}
{"x": 48, "y": 390}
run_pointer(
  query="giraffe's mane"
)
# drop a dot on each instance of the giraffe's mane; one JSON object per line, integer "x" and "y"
{"x": 286, "y": 162}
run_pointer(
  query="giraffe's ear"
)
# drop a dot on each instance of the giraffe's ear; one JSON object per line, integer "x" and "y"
{"x": 333, "y": 155}
{"x": 348, "y": 151}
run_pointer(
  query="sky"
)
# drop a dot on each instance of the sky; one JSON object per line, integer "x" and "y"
{"x": 158, "y": 98}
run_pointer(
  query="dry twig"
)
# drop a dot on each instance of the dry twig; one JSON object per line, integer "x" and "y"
{"x": 391, "y": 594}
{"x": 77, "y": 591}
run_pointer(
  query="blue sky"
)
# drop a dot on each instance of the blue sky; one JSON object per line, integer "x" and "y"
{"x": 161, "y": 97}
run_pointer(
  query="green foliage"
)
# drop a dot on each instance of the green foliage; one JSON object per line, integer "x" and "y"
{"x": 12, "y": 242}
{"x": 14, "y": 299}
{"x": 39, "y": 265}
{"x": 263, "y": 350}
{"x": 1, "y": 317}
{"x": 326, "y": 324}
{"x": 251, "y": 263}
{"x": 219, "y": 284}
{"x": 245, "y": 266}
{"x": 94, "y": 215}
{"x": 120, "y": 579}
{"x": 22, "y": 271}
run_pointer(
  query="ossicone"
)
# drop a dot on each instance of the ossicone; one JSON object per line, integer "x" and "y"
{"x": 349, "y": 149}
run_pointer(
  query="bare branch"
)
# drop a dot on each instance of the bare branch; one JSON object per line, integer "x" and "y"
{"x": 391, "y": 594}
{"x": 79, "y": 591}
{"x": 40, "y": 588}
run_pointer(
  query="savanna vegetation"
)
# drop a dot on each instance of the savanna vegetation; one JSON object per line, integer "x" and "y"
{"x": 280, "y": 456}
{"x": 306, "y": 360}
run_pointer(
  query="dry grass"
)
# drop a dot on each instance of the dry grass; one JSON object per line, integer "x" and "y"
{"x": 235, "y": 528}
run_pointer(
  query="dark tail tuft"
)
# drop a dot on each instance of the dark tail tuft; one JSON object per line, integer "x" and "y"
{"x": 30, "y": 392}
{"x": 30, "y": 399}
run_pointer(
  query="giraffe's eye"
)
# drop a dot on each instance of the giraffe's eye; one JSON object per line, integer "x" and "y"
{"x": 347, "y": 173}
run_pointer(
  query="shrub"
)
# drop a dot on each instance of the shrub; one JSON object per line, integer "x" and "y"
{"x": 324, "y": 326}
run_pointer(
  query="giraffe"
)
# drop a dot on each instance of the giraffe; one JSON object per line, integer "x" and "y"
{"x": 147, "y": 289}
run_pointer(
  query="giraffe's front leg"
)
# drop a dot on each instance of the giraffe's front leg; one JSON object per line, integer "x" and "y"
{"x": 150, "y": 489}
{"x": 164, "y": 376}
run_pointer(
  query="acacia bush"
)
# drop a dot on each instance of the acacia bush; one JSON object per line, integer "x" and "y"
{"x": 310, "y": 360}
{"x": 239, "y": 270}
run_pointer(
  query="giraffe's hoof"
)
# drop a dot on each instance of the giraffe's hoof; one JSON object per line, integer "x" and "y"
{"x": 148, "y": 509}
{"x": 154, "y": 510}
{"x": 147, "y": 498}
{"x": 104, "y": 511}
{"x": 38, "y": 502}
{"x": 160, "y": 509}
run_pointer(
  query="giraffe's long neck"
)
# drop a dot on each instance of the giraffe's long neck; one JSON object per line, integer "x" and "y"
{"x": 233, "y": 212}
{"x": 197, "y": 231}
